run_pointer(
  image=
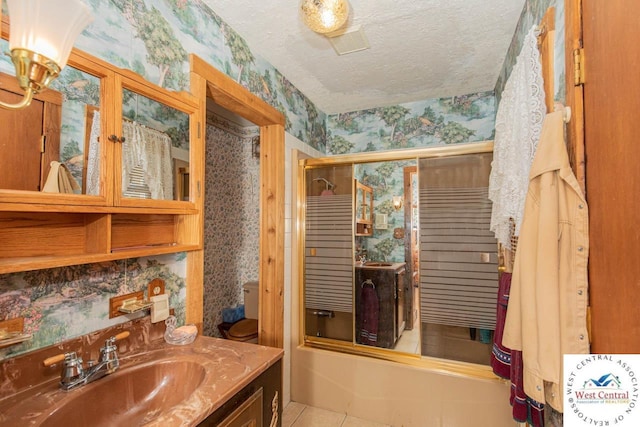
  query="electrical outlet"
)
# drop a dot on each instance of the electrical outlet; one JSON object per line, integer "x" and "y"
{"x": 116, "y": 302}
{"x": 155, "y": 288}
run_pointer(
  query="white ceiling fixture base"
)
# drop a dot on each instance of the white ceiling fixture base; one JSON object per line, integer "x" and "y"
{"x": 349, "y": 40}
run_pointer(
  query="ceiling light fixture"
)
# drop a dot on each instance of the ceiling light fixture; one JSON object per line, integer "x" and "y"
{"x": 324, "y": 16}
{"x": 41, "y": 35}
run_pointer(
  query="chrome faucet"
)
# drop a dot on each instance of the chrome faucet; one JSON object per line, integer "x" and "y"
{"x": 74, "y": 374}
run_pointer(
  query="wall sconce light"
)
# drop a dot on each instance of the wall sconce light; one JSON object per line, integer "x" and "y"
{"x": 255, "y": 147}
{"x": 324, "y": 16}
{"x": 397, "y": 202}
{"x": 41, "y": 36}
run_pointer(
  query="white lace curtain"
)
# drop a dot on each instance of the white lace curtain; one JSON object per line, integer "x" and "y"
{"x": 518, "y": 125}
{"x": 146, "y": 161}
{"x": 148, "y": 151}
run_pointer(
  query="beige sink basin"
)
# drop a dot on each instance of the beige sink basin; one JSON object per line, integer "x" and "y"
{"x": 133, "y": 396}
{"x": 159, "y": 385}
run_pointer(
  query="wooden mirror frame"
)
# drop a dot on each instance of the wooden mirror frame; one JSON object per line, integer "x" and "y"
{"x": 208, "y": 82}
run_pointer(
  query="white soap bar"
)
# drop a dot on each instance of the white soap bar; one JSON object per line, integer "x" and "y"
{"x": 160, "y": 308}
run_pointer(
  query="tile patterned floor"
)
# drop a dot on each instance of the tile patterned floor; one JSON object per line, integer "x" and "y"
{"x": 299, "y": 415}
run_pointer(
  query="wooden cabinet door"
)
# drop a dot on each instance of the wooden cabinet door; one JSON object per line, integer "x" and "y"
{"x": 248, "y": 414}
{"x": 611, "y": 106}
{"x": 29, "y": 138}
{"x": 20, "y": 145}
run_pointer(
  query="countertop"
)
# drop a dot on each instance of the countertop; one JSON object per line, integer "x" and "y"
{"x": 391, "y": 266}
{"x": 228, "y": 365}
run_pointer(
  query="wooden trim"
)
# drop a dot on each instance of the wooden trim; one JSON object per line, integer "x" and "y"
{"x": 575, "y": 94}
{"x": 271, "y": 304}
{"x": 30, "y": 263}
{"x": 230, "y": 95}
{"x": 396, "y": 155}
{"x": 298, "y": 252}
{"x": 10, "y": 83}
{"x": 195, "y": 259}
{"x": 546, "y": 45}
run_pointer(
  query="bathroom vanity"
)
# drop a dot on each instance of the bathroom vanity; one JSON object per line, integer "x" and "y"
{"x": 388, "y": 281}
{"x": 208, "y": 382}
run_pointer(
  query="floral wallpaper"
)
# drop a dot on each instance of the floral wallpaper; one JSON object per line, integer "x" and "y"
{"x": 532, "y": 14}
{"x": 452, "y": 120}
{"x": 62, "y": 303}
{"x": 232, "y": 217}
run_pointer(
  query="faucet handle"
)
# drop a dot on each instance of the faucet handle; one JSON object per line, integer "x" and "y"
{"x": 72, "y": 369}
{"x": 110, "y": 343}
{"x": 109, "y": 353}
{"x": 122, "y": 335}
{"x": 53, "y": 359}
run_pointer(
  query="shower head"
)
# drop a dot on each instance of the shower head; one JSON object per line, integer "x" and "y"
{"x": 329, "y": 185}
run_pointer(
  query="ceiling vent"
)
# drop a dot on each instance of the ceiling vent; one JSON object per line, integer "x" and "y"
{"x": 348, "y": 41}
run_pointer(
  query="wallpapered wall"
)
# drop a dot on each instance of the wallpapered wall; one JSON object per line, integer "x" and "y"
{"x": 232, "y": 213}
{"x": 386, "y": 179}
{"x": 154, "y": 38}
{"x": 453, "y": 120}
{"x": 62, "y": 303}
{"x": 532, "y": 14}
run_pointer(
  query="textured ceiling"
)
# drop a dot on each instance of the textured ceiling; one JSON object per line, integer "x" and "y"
{"x": 420, "y": 49}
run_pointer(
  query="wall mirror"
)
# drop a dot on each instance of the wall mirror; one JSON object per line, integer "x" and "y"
{"x": 423, "y": 282}
{"x": 63, "y": 143}
{"x": 155, "y": 150}
{"x": 49, "y": 134}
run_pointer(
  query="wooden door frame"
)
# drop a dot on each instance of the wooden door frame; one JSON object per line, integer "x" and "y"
{"x": 208, "y": 82}
{"x": 574, "y": 92}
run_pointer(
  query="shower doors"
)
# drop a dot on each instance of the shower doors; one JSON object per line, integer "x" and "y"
{"x": 444, "y": 219}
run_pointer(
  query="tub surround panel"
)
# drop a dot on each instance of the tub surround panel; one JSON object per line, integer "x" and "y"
{"x": 396, "y": 394}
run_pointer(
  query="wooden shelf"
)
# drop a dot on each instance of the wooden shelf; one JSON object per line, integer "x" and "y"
{"x": 364, "y": 209}
{"x": 18, "y": 264}
{"x": 182, "y": 208}
{"x": 36, "y": 240}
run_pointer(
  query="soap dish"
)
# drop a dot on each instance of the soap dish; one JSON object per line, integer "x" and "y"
{"x": 13, "y": 338}
{"x": 133, "y": 305}
{"x": 179, "y": 336}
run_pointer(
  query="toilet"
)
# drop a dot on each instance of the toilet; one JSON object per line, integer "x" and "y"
{"x": 246, "y": 330}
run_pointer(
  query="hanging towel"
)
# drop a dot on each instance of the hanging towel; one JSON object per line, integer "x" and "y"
{"x": 369, "y": 308}
{"x": 60, "y": 180}
{"x": 507, "y": 364}
{"x": 501, "y": 355}
{"x": 518, "y": 126}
